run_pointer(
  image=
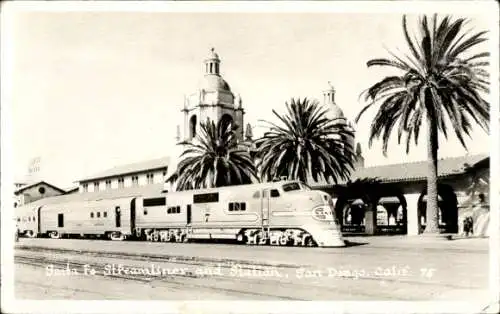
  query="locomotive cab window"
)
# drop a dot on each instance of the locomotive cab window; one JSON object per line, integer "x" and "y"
{"x": 98, "y": 214}
{"x": 291, "y": 187}
{"x": 91, "y": 215}
{"x": 105, "y": 214}
{"x": 275, "y": 193}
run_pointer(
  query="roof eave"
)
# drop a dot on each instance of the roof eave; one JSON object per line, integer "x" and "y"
{"x": 119, "y": 174}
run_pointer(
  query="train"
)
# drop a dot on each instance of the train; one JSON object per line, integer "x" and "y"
{"x": 283, "y": 213}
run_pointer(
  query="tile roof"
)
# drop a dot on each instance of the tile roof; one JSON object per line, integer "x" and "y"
{"x": 29, "y": 186}
{"x": 131, "y": 168}
{"x": 411, "y": 171}
{"x": 144, "y": 190}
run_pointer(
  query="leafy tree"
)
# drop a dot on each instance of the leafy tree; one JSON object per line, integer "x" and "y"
{"x": 214, "y": 159}
{"x": 442, "y": 82}
{"x": 307, "y": 145}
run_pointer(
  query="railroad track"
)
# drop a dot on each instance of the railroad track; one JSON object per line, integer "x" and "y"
{"x": 41, "y": 256}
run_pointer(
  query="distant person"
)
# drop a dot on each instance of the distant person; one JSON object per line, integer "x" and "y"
{"x": 468, "y": 226}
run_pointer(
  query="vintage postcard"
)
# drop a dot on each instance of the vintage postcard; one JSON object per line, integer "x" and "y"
{"x": 205, "y": 157}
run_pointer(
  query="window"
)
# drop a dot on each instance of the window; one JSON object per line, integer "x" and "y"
{"x": 41, "y": 190}
{"x": 98, "y": 214}
{"x": 85, "y": 187}
{"x": 18, "y": 219}
{"x": 108, "y": 184}
{"x": 174, "y": 210}
{"x": 145, "y": 211}
{"x": 158, "y": 201}
{"x": 33, "y": 218}
{"x": 96, "y": 186}
{"x": 275, "y": 193}
{"x": 206, "y": 198}
{"x": 150, "y": 178}
{"x": 105, "y": 214}
{"x": 135, "y": 180}
{"x": 237, "y": 206}
{"x": 121, "y": 182}
{"x": 192, "y": 127}
{"x": 91, "y": 215}
{"x": 291, "y": 187}
{"x": 29, "y": 218}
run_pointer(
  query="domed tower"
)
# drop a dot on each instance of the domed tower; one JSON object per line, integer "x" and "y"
{"x": 213, "y": 100}
{"x": 335, "y": 112}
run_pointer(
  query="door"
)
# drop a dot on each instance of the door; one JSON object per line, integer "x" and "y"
{"x": 188, "y": 214}
{"x": 60, "y": 220}
{"x": 39, "y": 219}
{"x": 132, "y": 215}
{"x": 265, "y": 203}
{"x": 118, "y": 218}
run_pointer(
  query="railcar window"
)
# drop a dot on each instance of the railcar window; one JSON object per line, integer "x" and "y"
{"x": 291, "y": 187}
{"x": 157, "y": 201}
{"x": 235, "y": 206}
{"x": 105, "y": 214}
{"x": 174, "y": 210}
{"x": 18, "y": 219}
{"x": 91, "y": 215}
{"x": 145, "y": 211}
{"x": 206, "y": 198}
{"x": 275, "y": 193}
{"x": 33, "y": 218}
{"x": 29, "y": 218}
{"x": 98, "y": 214}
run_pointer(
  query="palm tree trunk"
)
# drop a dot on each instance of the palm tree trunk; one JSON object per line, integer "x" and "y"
{"x": 432, "y": 226}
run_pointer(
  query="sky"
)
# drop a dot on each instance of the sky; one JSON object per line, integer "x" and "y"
{"x": 91, "y": 90}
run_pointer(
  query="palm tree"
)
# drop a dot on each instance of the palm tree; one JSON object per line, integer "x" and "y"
{"x": 442, "y": 82}
{"x": 307, "y": 145}
{"x": 213, "y": 159}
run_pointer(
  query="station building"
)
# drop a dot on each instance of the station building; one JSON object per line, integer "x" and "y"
{"x": 397, "y": 208}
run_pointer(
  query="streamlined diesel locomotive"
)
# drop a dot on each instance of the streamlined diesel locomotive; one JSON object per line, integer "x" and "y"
{"x": 276, "y": 213}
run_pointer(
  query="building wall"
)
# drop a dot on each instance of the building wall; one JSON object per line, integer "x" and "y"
{"x": 34, "y": 194}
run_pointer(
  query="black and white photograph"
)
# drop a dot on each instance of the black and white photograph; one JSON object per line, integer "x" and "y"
{"x": 203, "y": 157}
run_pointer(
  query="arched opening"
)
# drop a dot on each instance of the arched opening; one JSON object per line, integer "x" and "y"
{"x": 447, "y": 213}
{"x": 392, "y": 215}
{"x": 192, "y": 127}
{"x": 226, "y": 120}
{"x": 352, "y": 216}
